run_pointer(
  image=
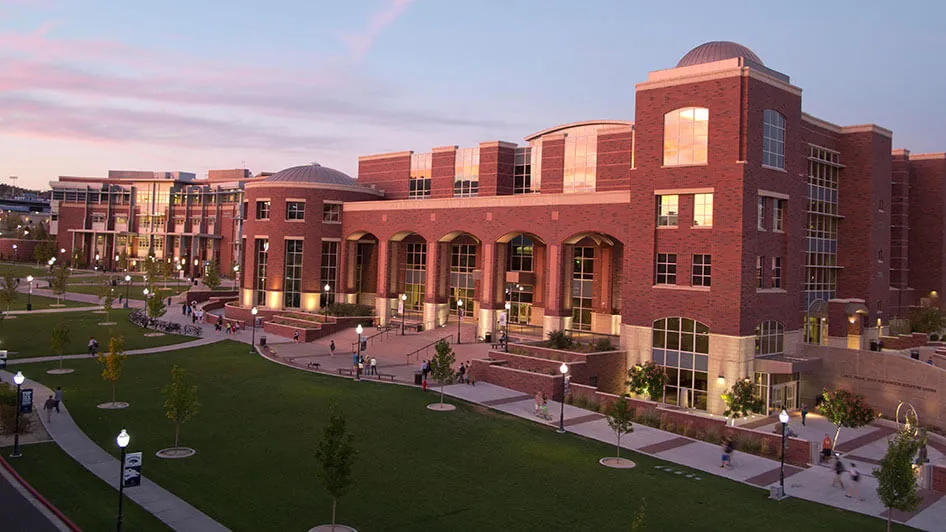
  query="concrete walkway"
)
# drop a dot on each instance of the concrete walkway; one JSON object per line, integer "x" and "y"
{"x": 145, "y": 351}
{"x": 167, "y": 507}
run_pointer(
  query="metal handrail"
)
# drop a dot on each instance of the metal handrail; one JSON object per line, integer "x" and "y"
{"x": 577, "y": 335}
{"x": 428, "y": 346}
{"x": 371, "y": 339}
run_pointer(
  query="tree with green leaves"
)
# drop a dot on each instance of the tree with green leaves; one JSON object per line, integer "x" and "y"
{"x": 107, "y": 296}
{"x": 123, "y": 260}
{"x": 59, "y": 339}
{"x": 212, "y": 275}
{"x": 79, "y": 258}
{"x": 441, "y": 366}
{"x": 335, "y": 454}
{"x": 844, "y": 408}
{"x": 8, "y": 287}
{"x": 154, "y": 303}
{"x": 113, "y": 361}
{"x": 59, "y": 282}
{"x": 927, "y": 319}
{"x": 45, "y": 249}
{"x": 741, "y": 401}
{"x": 180, "y": 403}
{"x": 647, "y": 378}
{"x": 896, "y": 483}
{"x": 620, "y": 416}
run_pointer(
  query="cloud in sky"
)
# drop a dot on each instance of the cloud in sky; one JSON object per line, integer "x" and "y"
{"x": 360, "y": 42}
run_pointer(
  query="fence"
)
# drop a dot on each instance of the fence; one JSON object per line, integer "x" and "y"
{"x": 588, "y": 337}
{"x": 426, "y": 349}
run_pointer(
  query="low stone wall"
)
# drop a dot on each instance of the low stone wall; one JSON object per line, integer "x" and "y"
{"x": 305, "y": 334}
{"x": 605, "y": 369}
{"x": 528, "y": 382}
{"x": 905, "y": 341}
{"x": 204, "y": 295}
{"x": 939, "y": 478}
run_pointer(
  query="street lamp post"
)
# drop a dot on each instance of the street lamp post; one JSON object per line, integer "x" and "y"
{"x": 18, "y": 380}
{"x": 459, "y": 317}
{"x": 403, "y": 311}
{"x": 327, "y": 288}
{"x": 236, "y": 276}
{"x": 254, "y": 311}
{"x": 506, "y": 327}
{"x": 122, "y": 441}
{"x": 14, "y": 253}
{"x": 561, "y": 417}
{"x": 783, "y": 418}
{"x": 358, "y": 330}
{"x": 127, "y": 288}
{"x": 29, "y": 295}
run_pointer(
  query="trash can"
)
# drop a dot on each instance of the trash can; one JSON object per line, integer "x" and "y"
{"x": 488, "y": 338}
{"x": 873, "y": 345}
{"x": 195, "y": 282}
{"x": 262, "y": 341}
{"x": 418, "y": 378}
{"x": 420, "y": 327}
{"x": 915, "y": 354}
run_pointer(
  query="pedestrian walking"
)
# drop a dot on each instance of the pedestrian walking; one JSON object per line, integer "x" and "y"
{"x": 425, "y": 369}
{"x": 727, "y": 448}
{"x": 838, "y": 471}
{"x": 184, "y": 309}
{"x": 804, "y": 413}
{"x": 295, "y": 337}
{"x": 461, "y": 373}
{"x": 58, "y": 397}
{"x": 93, "y": 347}
{"x": 853, "y": 490}
{"x": 538, "y": 403}
{"x": 469, "y": 373}
{"x": 48, "y": 407}
{"x": 169, "y": 301}
{"x": 331, "y": 348}
{"x": 374, "y": 366}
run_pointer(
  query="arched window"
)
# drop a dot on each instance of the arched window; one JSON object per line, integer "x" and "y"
{"x": 681, "y": 346}
{"x": 769, "y": 338}
{"x": 773, "y": 139}
{"x": 685, "y": 136}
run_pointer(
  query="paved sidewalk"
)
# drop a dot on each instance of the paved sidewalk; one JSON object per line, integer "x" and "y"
{"x": 167, "y": 507}
{"x": 144, "y": 351}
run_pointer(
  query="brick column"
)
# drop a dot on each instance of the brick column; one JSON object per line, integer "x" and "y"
{"x": 436, "y": 307}
{"x": 555, "y": 306}
{"x": 387, "y": 263}
{"x": 347, "y": 263}
{"x": 492, "y": 286}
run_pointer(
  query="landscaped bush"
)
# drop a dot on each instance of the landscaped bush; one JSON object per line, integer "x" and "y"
{"x": 649, "y": 419}
{"x": 8, "y": 411}
{"x": 712, "y": 436}
{"x": 559, "y": 340}
{"x": 934, "y": 337}
{"x": 349, "y": 309}
{"x": 602, "y": 344}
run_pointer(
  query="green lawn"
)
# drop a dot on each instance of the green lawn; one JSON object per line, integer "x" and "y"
{"x": 135, "y": 292}
{"x": 29, "y": 335}
{"x": 40, "y": 302}
{"x": 23, "y": 269}
{"x": 472, "y": 469}
{"x": 88, "y": 501}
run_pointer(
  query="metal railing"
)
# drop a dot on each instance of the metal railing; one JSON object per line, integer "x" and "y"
{"x": 425, "y": 349}
{"x": 591, "y": 338}
{"x": 378, "y": 336}
{"x": 525, "y": 329}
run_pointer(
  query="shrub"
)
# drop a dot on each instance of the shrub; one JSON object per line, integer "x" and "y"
{"x": 349, "y": 309}
{"x": 687, "y": 429}
{"x": 713, "y": 436}
{"x": 559, "y": 340}
{"x": 8, "y": 411}
{"x": 934, "y": 337}
{"x": 764, "y": 448}
{"x": 747, "y": 444}
{"x": 649, "y": 419}
{"x": 602, "y": 344}
{"x": 671, "y": 427}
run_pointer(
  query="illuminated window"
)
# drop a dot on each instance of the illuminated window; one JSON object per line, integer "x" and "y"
{"x": 292, "y": 297}
{"x": 462, "y": 284}
{"x": 259, "y": 274}
{"x": 583, "y": 274}
{"x": 466, "y": 178}
{"x": 681, "y": 346}
{"x": 329, "y": 270}
{"x": 419, "y": 184}
{"x": 685, "y": 136}
{"x": 769, "y": 338}
{"x": 667, "y": 209}
{"x": 702, "y": 270}
{"x": 520, "y": 254}
{"x": 702, "y": 210}
{"x": 773, "y": 139}
{"x": 581, "y": 160}
{"x": 778, "y": 215}
{"x": 415, "y": 276}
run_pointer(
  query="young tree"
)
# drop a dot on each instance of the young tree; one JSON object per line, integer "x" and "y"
{"x": 8, "y": 289}
{"x": 441, "y": 365}
{"x": 927, "y": 319}
{"x": 113, "y": 361}
{"x": 647, "y": 378}
{"x": 619, "y": 415}
{"x": 44, "y": 250}
{"x": 154, "y": 303}
{"x": 896, "y": 484}
{"x": 212, "y": 275}
{"x": 59, "y": 282}
{"x": 180, "y": 403}
{"x": 845, "y": 409}
{"x": 334, "y": 455}
{"x": 59, "y": 339}
{"x": 107, "y": 295}
{"x": 741, "y": 401}
{"x": 79, "y": 258}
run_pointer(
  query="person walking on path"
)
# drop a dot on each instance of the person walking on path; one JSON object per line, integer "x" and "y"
{"x": 469, "y": 373}
{"x": 331, "y": 348}
{"x": 58, "y": 397}
{"x": 374, "y": 366}
{"x": 461, "y": 373}
{"x": 93, "y": 347}
{"x": 538, "y": 403}
{"x": 726, "y": 458}
{"x": 804, "y": 413}
{"x": 48, "y": 407}
{"x": 295, "y": 337}
{"x": 169, "y": 301}
{"x": 838, "y": 471}
{"x": 826, "y": 447}
{"x": 853, "y": 490}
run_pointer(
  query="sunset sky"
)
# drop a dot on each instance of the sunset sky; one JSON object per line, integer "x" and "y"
{"x": 87, "y": 86}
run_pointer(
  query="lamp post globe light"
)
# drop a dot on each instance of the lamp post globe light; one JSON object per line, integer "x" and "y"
{"x": 14, "y": 253}
{"x": 127, "y": 288}
{"x": 459, "y": 317}
{"x": 327, "y": 288}
{"x": 403, "y": 311}
{"x": 18, "y": 379}
{"x": 506, "y": 328}
{"x": 254, "y": 311}
{"x": 122, "y": 440}
{"x": 358, "y": 330}
{"x": 29, "y": 295}
{"x": 783, "y": 419}
{"x": 561, "y": 417}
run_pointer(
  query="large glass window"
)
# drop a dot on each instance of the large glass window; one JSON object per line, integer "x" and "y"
{"x": 522, "y": 172}
{"x": 262, "y": 261}
{"x": 329, "y": 271}
{"x": 293, "y": 286}
{"x": 262, "y": 210}
{"x": 520, "y": 297}
{"x": 295, "y": 210}
{"x": 415, "y": 276}
{"x": 685, "y": 136}
{"x": 773, "y": 139}
{"x": 331, "y": 213}
{"x": 702, "y": 270}
{"x": 769, "y": 338}
{"x": 667, "y": 209}
{"x": 581, "y": 160}
{"x": 583, "y": 274}
{"x": 821, "y": 260}
{"x": 681, "y": 346}
{"x": 462, "y": 264}
{"x": 666, "y": 268}
{"x": 702, "y": 210}
{"x": 466, "y": 180}
{"x": 520, "y": 254}
{"x": 419, "y": 185}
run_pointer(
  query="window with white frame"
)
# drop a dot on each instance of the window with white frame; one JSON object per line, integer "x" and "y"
{"x": 702, "y": 270}
{"x": 769, "y": 338}
{"x": 262, "y": 210}
{"x": 295, "y": 210}
{"x": 667, "y": 210}
{"x": 686, "y": 134}
{"x": 292, "y": 264}
{"x": 778, "y": 215}
{"x": 681, "y": 347}
{"x": 776, "y": 273}
{"x": 761, "y": 217}
{"x": 666, "y": 268}
{"x": 759, "y": 262}
{"x": 773, "y": 139}
{"x": 331, "y": 213}
{"x": 522, "y": 171}
{"x": 702, "y": 210}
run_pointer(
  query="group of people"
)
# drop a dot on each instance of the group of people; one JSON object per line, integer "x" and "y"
{"x": 52, "y": 403}
{"x": 232, "y": 327}
{"x": 541, "y": 408}
{"x": 196, "y": 314}
{"x": 853, "y": 473}
{"x": 464, "y": 373}
{"x": 362, "y": 362}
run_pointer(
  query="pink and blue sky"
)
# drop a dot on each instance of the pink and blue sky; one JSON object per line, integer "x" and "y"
{"x": 92, "y": 85}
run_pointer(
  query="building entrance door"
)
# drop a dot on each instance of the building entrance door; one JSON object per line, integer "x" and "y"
{"x": 784, "y": 395}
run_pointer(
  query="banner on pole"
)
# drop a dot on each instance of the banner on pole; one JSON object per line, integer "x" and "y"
{"x": 131, "y": 475}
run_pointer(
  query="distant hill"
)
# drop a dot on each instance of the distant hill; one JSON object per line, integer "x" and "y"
{"x": 8, "y": 191}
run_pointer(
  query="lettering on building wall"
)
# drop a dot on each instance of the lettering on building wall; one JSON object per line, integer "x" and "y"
{"x": 894, "y": 383}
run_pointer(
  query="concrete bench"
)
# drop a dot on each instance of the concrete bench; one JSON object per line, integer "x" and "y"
{"x": 346, "y": 371}
{"x": 496, "y": 346}
{"x": 387, "y": 376}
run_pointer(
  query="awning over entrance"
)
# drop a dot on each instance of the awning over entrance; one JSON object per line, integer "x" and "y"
{"x": 781, "y": 364}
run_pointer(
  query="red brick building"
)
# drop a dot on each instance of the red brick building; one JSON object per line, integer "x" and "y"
{"x": 717, "y": 233}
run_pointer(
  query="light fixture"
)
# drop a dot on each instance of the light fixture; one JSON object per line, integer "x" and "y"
{"x": 563, "y": 368}
{"x": 254, "y": 311}
{"x": 359, "y": 329}
{"x": 327, "y": 287}
{"x": 62, "y": 250}
{"x": 29, "y": 278}
{"x": 18, "y": 379}
{"x": 783, "y": 416}
{"x": 852, "y": 318}
{"x": 145, "y": 292}
{"x": 123, "y": 439}
{"x": 508, "y": 305}
{"x": 127, "y": 278}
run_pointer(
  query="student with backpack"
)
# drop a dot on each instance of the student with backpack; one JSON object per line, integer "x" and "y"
{"x": 93, "y": 347}
{"x": 855, "y": 479}
{"x": 838, "y": 471}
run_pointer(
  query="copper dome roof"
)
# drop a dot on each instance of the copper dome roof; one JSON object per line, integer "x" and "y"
{"x": 311, "y": 173}
{"x": 717, "y": 51}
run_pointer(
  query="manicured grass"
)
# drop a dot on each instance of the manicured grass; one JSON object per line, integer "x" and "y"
{"x": 29, "y": 335}
{"x": 472, "y": 469}
{"x": 41, "y": 302}
{"x": 135, "y": 292}
{"x": 22, "y": 269}
{"x": 84, "y": 498}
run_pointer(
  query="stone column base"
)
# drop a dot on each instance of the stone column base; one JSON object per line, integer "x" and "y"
{"x": 488, "y": 323}
{"x": 555, "y": 323}
{"x": 382, "y": 308}
{"x": 435, "y": 315}
{"x": 349, "y": 299}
